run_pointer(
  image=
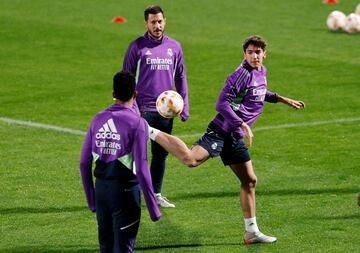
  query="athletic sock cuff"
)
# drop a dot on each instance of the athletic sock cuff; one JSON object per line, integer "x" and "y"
{"x": 153, "y": 132}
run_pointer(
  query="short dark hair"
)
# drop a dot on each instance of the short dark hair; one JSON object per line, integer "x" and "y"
{"x": 152, "y": 9}
{"x": 124, "y": 86}
{"x": 256, "y": 41}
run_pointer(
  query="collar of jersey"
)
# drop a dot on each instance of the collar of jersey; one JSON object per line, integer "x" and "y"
{"x": 248, "y": 67}
{"x": 153, "y": 40}
{"x": 116, "y": 107}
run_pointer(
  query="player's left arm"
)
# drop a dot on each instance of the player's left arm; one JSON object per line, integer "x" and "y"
{"x": 86, "y": 172}
{"x": 296, "y": 104}
{"x": 272, "y": 97}
{"x": 181, "y": 84}
{"x": 139, "y": 152}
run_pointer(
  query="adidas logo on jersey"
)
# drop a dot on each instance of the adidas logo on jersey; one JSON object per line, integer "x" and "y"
{"x": 108, "y": 131}
{"x": 148, "y": 52}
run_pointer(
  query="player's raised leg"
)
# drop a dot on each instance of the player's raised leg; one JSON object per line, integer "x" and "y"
{"x": 247, "y": 177}
{"x": 174, "y": 145}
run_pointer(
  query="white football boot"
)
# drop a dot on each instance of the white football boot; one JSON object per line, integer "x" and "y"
{"x": 163, "y": 201}
{"x": 258, "y": 237}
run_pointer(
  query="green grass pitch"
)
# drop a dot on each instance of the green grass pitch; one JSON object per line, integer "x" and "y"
{"x": 57, "y": 59}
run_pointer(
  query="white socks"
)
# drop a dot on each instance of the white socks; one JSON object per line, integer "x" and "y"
{"x": 250, "y": 225}
{"x": 153, "y": 132}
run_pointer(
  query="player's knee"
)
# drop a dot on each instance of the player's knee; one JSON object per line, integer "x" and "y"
{"x": 250, "y": 183}
{"x": 253, "y": 182}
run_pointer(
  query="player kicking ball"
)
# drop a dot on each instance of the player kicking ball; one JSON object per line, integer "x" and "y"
{"x": 239, "y": 104}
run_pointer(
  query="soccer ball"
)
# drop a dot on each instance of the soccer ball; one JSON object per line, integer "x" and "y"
{"x": 169, "y": 104}
{"x": 352, "y": 24}
{"x": 357, "y": 10}
{"x": 336, "y": 20}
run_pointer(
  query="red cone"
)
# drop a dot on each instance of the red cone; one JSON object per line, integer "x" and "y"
{"x": 119, "y": 20}
{"x": 330, "y": 1}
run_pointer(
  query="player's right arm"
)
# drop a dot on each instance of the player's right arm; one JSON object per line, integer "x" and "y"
{"x": 130, "y": 65}
{"x": 131, "y": 59}
{"x": 142, "y": 169}
{"x": 234, "y": 84}
{"x": 248, "y": 133}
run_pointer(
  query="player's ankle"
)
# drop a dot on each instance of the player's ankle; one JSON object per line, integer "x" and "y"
{"x": 251, "y": 225}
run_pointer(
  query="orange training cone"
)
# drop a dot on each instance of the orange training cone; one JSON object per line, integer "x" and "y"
{"x": 330, "y": 1}
{"x": 119, "y": 20}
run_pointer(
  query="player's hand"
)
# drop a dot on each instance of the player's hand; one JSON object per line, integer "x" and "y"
{"x": 155, "y": 218}
{"x": 248, "y": 134}
{"x": 296, "y": 104}
{"x": 184, "y": 117}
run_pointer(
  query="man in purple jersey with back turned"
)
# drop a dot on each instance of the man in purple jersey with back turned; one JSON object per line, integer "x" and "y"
{"x": 117, "y": 142}
{"x": 157, "y": 62}
{"x": 240, "y": 103}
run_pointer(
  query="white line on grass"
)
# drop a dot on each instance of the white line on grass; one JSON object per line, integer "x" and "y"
{"x": 314, "y": 123}
{"x": 78, "y": 132}
{"x": 44, "y": 126}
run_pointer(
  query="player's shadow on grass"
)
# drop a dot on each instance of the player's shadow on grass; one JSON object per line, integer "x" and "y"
{"x": 54, "y": 249}
{"x": 264, "y": 192}
{"x": 284, "y": 192}
{"x": 25, "y": 210}
{"x": 174, "y": 237}
{"x": 338, "y": 217}
{"x": 184, "y": 246}
{"x": 94, "y": 248}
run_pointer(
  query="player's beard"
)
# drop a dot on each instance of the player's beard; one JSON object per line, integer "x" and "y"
{"x": 153, "y": 34}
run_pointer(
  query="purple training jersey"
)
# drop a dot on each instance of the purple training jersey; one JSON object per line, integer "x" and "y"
{"x": 158, "y": 65}
{"x": 242, "y": 99}
{"x": 118, "y": 135}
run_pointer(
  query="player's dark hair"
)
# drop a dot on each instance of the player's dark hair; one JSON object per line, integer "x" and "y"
{"x": 152, "y": 9}
{"x": 256, "y": 41}
{"x": 124, "y": 86}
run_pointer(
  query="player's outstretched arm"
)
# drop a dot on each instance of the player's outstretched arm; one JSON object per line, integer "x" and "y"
{"x": 296, "y": 104}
